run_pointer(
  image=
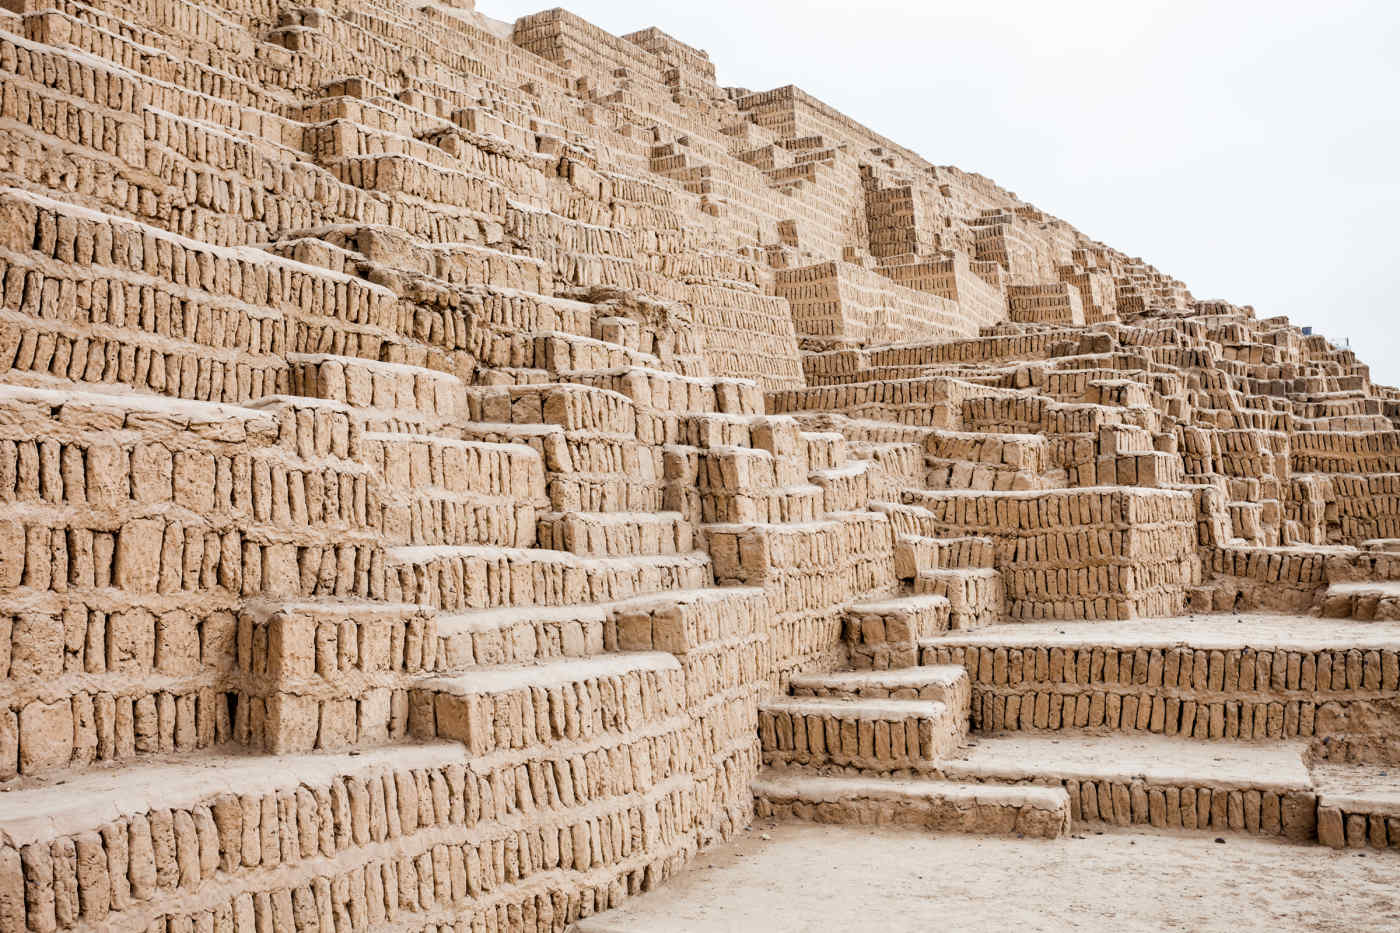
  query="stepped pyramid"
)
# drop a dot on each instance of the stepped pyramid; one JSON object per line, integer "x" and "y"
{"x": 452, "y": 472}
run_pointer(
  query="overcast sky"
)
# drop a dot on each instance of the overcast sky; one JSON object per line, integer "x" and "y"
{"x": 1248, "y": 147}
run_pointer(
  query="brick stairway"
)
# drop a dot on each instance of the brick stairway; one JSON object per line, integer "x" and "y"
{"x": 453, "y": 472}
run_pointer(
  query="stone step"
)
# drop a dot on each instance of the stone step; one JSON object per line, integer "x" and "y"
{"x": 781, "y": 505}
{"x": 438, "y": 517}
{"x": 856, "y": 735}
{"x": 1358, "y": 805}
{"x": 570, "y": 406}
{"x": 696, "y": 625}
{"x": 486, "y": 123}
{"x": 330, "y": 313}
{"x": 679, "y": 621}
{"x": 916, "y": 553}
{"x": 1287, "y": 578}
{"x": 532, "y": 705}
{"x": 845, "y": 488}
{"x": 998, "y": 451}
{"x": 568, "y": 452}
{"x": 932, "y": 805}
{"x": 825, "y": 450}
{"x": 885, "y": 634}
{"x": 1114, "y": 440}
{"x": 408, "y": 462}
{"x": 1209, "y": 677}
{"x": 1155, "y": 781}
{"x": 559, "y": 352}
{"x": 1151, "y": 468}
{"x": 1346, "y": 423}
{"x": 957, "y": 474}
{"x": 739, "y": 485}
{"x": 654, "y": 388}
{"x": 631, "y": 335}
{"x": 489, "y": 637}
{"x": 123, "y": 850}
{"x": 331, "y": 141}
{"x": 325, "y": 669}
{"x": 606, "y": 491}
{"x": 985, "y": 460}
{"x": 127, "y": 850}
{"x": 467, "y": 577}
{"x": 1095, "y": 552}
{"x": 586, "y": 471}
{"x": 388, "y": 421}
{"x": 457, "y": 264}
{"x": 946, "y": 683}
{"x": 742, "y": 470}
{"x": 903, "y": 463}
{"x": 697, "y": 431}
{"x": 382, "y": 387}
{"x": 515, "y": 376}
{"x": 1247, "y": 520}
{"x": 1362, "y": 600}
{"x": 449, "y": 188}
{"x": 977, "y": 596}
{"x": 110, "y": 37}
{"x": 910, "y": 519}
{"x": 295, "y": 467}
{"x": 508, "y": 321}
{"x": 442, "y": 491}
{"x": 616, "y": 534}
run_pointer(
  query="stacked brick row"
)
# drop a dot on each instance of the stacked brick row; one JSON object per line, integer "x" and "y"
{"x": 1079, "y": 554}
{"x": 1211, "y": 694}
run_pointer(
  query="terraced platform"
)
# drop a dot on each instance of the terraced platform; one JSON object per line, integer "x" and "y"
{"x": 455, "y": 473}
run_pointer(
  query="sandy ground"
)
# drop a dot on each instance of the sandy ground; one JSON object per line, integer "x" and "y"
{"x": 822, "y": 879}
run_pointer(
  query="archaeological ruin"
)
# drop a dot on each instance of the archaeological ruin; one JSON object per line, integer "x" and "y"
{"x": 456, "y": 471}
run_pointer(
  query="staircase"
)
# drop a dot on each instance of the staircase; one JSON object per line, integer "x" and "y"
{"x": 870, "y": 747}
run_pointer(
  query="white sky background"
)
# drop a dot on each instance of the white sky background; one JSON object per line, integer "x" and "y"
{"x": 1249, "y": 148}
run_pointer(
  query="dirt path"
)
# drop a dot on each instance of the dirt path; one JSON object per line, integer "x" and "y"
{"x": 818, "y": 879}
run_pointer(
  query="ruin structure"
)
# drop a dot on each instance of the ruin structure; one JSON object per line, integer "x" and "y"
{"x": 452, "y": 472}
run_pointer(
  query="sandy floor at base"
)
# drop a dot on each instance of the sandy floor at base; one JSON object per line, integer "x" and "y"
{"x": 823, "y": 879}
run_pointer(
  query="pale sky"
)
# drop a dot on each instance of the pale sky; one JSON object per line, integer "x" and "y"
{"x": 1250, "y": 148}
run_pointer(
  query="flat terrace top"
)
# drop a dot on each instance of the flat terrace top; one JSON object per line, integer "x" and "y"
{"x": 1159, "y": 760}
{"x": 1359, "y": 788}
{"x": 801, "y": 878}
{"x": 1224, "y": 630}
{"x": 1366, "y": 588}
{"x": 89, "y": 799}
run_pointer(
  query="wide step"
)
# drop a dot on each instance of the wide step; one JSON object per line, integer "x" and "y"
{"x": 946, "y": 683}
{"x": 531, "y": 706}
{"x": 1208, "y": 677}
{"x": 936, "y": 806}
{"x": 1151, "y": 780}
{"x": 858, "y": 735}
{"x": 977, "y": 596}
{"x": 454, "y": 578}
{"x": 123, "y": 850}
{"x": 1358, "y": 806}
{"x": 677, "y": 621}
{"x": 885, "y": 634}
{"x": 916, "y": 553}
{"x": 616, "y": 534}
{"x": 1363, "y": 600}
{"x": 488, "y": 637}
